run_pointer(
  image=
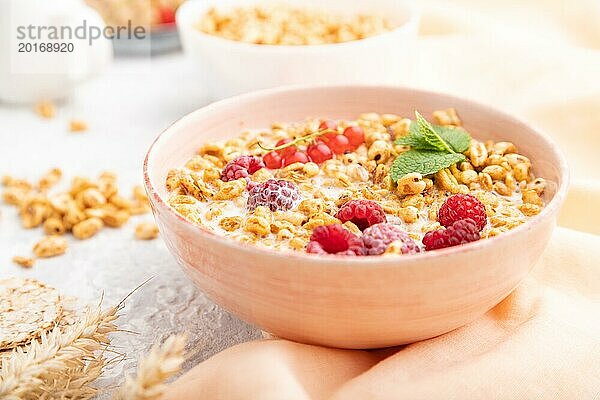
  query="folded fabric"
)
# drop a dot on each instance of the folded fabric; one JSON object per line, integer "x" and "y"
{"x": 541, "y": 342}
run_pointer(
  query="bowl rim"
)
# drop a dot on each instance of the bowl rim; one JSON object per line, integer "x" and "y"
{"x": 358, "y": 261}
{"x": 411, "y": 23}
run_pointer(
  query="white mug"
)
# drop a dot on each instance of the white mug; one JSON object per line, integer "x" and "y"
{"x": 39, "y": 60}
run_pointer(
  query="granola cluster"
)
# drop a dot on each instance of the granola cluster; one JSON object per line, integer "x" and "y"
{"x": 47, "y": 110}
{"x": 288, "y": 25}
{"x": 83, "y": 210}
{"x": 493, "y": 174}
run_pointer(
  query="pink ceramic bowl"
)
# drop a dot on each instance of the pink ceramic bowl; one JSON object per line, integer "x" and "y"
{"x": 351, "y": 302}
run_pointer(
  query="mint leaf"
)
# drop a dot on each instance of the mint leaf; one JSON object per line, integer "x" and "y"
{"x": 430, "y": 135}
{"x": 457, "y": 138}
{"x": 413, "y": 129}
{"x": 415, "y": 142}
{"x": 415, "y": 139}
{"x": 425, "y": 162}
{"x": 433, "y": 148}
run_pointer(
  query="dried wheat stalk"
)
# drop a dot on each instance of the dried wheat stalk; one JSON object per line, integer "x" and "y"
{"x": 153, "y": 371}
{"x": 61, "y": 363}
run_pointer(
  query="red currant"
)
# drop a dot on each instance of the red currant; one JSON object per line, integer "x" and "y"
{"x": 273, "y": 160}
{"x": 298, "y": 156}
{"x": 355, "y": 135}
{"x": 339, "y": 144}
{"x": 328, "y": 124}
{"x": 288, "y": 151}
{"x": 319, "y": 152}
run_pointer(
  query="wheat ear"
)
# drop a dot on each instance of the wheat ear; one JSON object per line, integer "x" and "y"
{"x": 161, "y": 363}
{"x": 61, "y": 363}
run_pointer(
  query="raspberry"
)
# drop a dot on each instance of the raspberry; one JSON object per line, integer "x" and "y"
{"x": 379, "y": 236}
{"x": 335, "y": 239}
{"x": 241, "y": 167}
{"x": 462, "y": 206}
{"x": 363, "y": 213}
{"x": 460, "y": 232}
{"x": 275, "y": 194}
{"x": 250, "y": 184}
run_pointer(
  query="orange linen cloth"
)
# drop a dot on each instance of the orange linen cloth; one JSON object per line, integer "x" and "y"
{"x": 542, "y": 342}
{"x": 537, "y": 59}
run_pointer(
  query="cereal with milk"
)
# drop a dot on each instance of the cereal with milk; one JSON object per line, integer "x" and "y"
{"x": 320, "y": 186}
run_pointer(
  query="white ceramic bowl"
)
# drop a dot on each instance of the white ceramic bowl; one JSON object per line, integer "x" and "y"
{"x": 230, "y": 67}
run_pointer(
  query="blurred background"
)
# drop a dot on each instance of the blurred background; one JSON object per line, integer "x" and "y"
{"x": 538, "y": 59}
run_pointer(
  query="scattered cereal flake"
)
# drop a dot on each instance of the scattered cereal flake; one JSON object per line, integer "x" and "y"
{"x": 7, "y": 180}
{"x": 14, "y": 195}
{"x": 140, "y": 194}
{"x": 54, "y": 226}
{"x": 50, "y": 179}
{"x": 83, "y": 209}
{"x": 27, "y": 309}
{"x": 45, "y": 109}
{"x": 87, "y": 228}
{"x": 446, "y": 117}
{"x": 25, "y": 262}
{"x": 146, "y": 231}
{"x": 116, "y": 219}
{"x": 77, "y": 125}
{"x": 50, "y": 246}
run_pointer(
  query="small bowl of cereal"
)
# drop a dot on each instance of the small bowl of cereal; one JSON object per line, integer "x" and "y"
{"x": 369, "y": 216}
{"x": 297, "y": 42}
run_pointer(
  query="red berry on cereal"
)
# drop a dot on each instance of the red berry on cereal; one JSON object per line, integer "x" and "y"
{"x": 296, "y": 157}
{"x": 287, "y": 151}
{"x": 462, "y": 206}
{"x": 335, "y": 239}
{"x": 273, "y": 160}
{"x": 275, "y": 194}
{"x": 355, "y": 135}
{"x": 362, "y": 213}
{"x": 319, "y": 152}
{"x": 460, "y": 232}
{"x": 328, "y": 125}
{"x": 338, "y": 144}
{"x": 241, "y": 167}
{"x": 379, "y": 236}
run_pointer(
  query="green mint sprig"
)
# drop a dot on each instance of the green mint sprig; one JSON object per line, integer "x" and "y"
{"x": 430, "y": 136}
{"x": 432, "y": 148}
{"x": 425, "y": 162}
